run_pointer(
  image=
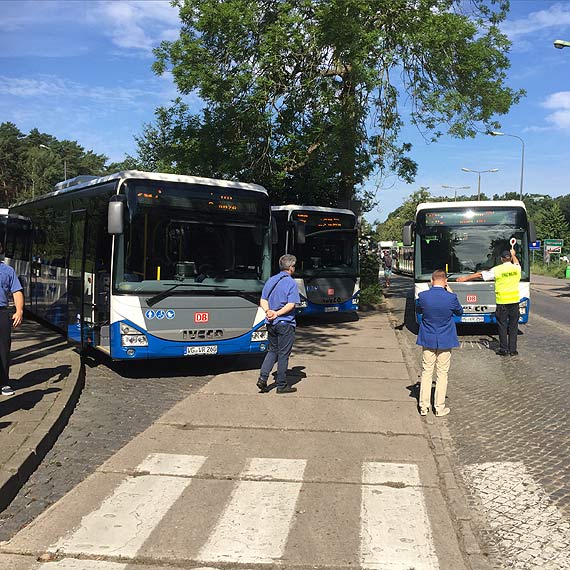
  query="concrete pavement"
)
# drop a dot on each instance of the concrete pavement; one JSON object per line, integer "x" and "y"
{"x": 342, "y": 474}
{"x": 46, "y": 375}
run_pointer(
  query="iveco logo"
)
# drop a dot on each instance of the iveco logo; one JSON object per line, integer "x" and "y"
{"x": 202, "y": 334}
{"x": 331, "y": 300}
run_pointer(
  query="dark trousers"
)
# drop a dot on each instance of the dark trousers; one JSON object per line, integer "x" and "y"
{"x": 280, "y": 339}
{"x": 508, "y": 322}
{"x": 5, "y": 343}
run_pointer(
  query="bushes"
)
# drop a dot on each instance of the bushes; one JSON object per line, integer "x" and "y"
{"x": 552, "y": 270}
{"x": 370, "y": 290}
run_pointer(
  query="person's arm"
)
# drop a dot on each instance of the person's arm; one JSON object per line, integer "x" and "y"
{"x": 285, "y": 310}
{"x": 457, "y": 309}
{"x": 514, "y": 257}
{"x": 18, "y": 316}
{"x": 264, "y": 304}
{"x": 471, "y": 277}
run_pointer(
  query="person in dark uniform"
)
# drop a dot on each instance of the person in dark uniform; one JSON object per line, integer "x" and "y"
{"x": 9, "y": 286}
{"x": 279, "y": 297}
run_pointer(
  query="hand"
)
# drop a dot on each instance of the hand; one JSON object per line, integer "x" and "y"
{"x": 462, "y": 279}
{"x": 17, "y": 318}
{"x": 270, "y": 315}
{"x": 448, "y": 288}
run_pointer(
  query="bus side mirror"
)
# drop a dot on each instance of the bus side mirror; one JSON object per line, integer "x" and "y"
{"x": 531, "y": 231}
{"x": 299, "y": 233}
{"x": 407, "y": 233}
{"x": 115, "y": 217}
{"x": 274, "y": 235}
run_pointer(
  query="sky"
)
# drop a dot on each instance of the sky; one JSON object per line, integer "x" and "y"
{"x": 82, "y": 70}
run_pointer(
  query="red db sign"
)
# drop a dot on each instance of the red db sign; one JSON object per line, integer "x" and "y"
{"x": 201, "y": 317}
{"x": 471, "y": 298}
{"x": 330, "y": 292}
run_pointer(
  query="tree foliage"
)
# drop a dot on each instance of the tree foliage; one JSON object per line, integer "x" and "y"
{"x": 309, "y": 96}
{"x": 31, "y": 164}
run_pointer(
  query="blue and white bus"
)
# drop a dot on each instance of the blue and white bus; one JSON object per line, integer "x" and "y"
{"x": 465, "y": 237}
{"x": 325, "y": 242}
{"x": 146, "y": 265}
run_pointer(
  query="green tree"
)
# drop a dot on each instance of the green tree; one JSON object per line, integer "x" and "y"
{"x": 551, "y": 223}
{"x": 11, "y": 166}
{"x": 306, "y": 96}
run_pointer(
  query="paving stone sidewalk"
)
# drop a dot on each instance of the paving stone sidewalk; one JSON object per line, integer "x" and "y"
{"x": 46, "y": 375}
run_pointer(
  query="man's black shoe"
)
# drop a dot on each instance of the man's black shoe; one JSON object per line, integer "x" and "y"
{"x": 501, "y": 353}
{"x": 515, "y": 353}
{"x": 262, "y": 385}
{"x": 286, "y": 390}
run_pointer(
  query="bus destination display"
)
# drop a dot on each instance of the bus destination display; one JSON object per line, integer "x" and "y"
{"x": 471, "y": 217}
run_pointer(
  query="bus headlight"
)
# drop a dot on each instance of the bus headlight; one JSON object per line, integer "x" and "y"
{"x": 259, "y": 335}
{"x": 132, "y": 337}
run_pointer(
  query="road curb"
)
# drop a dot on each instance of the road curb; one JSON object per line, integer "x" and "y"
{"x": 451, "y": 483}
{"x": 15, "y": 473}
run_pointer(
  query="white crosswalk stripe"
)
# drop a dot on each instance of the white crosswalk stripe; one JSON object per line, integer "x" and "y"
{"x": 255, "y": 524}
{"x": 126, "y": 518}
{"x": 396, "y": 533}
{"x": 257, "y": 513}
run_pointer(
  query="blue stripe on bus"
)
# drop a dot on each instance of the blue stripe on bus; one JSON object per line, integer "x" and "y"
{"x": 160, "y": 348}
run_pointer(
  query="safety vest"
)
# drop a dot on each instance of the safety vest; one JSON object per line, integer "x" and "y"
{"x": 507, "y": 277}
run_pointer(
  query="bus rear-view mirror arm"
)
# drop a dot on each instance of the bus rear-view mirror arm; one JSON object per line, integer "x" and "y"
{"x": 299, "y": 233}
{"x": 274, "y": 235}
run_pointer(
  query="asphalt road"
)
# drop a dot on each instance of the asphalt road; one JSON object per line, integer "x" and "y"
{"x": 511, "y": 430}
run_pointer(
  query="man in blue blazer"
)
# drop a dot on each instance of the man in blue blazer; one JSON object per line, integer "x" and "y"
{"x": 437, "y": 336}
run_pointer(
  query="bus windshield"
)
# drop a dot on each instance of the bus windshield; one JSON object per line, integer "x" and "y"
{"x": 330, "y": 246}
{"x": 467, "y": 240}
{"x": 211, "y": 239}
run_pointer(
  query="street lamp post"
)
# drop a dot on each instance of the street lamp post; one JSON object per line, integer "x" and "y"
{"x": 561, "y": 44}
{"x": 63, "y": 158}
{"x": 479, "y": 172}
{"x": 455, "y": 189}
{"x": 498, "y": 134}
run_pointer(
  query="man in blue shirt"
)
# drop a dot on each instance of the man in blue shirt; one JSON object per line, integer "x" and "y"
{"x": 437, "y": 336}
{"x": 9, "y": 286}
{"x": 279, "y": 297}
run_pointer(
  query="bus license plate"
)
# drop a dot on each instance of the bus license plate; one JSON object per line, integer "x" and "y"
{"x": 331, "y": 309}
{"x": 477, "y": 319}
{"x": 195, "y": 350}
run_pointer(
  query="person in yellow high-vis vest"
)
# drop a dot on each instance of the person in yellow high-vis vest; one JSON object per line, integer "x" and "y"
{"x": 507, "y": 277}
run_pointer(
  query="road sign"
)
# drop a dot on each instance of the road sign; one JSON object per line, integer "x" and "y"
{"x": 554, "y": 242}
{"x": 534, "y": 245}
{"x": 552, "y": 249}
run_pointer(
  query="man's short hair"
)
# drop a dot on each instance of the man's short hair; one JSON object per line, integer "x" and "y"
{"x": 439, "y": 275}
{"x": 286, "y": 261}
{"x": 506, "y": 254}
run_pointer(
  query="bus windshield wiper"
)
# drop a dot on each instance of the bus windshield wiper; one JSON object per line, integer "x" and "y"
{"x": 163, "y": 294}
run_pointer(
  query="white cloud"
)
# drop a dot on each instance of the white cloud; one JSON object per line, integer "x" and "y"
{"x": 136, "y": 25}
{"x": 560, "y": 103}
{"x": 555, "y": 16}
{"x": 560, "y": 100}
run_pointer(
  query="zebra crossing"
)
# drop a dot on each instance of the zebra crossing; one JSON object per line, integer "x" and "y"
{"x": 256, "y": 521}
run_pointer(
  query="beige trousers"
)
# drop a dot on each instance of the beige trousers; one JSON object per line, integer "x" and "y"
{"x": 440, "y": 360}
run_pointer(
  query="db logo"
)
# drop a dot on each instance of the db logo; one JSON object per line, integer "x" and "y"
{"x": 201, "y": 317}
{"x": 471, "y": 298}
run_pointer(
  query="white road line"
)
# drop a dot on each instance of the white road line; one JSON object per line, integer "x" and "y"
{"x": 171, "y": 464}
{"x": 73, "y": 564}
{"x": 528, "y": 526}
{"x": 255, "y": 525}
{"x": 396, "y": 532}
{"x": 123, "y": 522}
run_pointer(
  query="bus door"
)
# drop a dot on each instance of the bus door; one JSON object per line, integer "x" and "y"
{"x": 79, "y": 285}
